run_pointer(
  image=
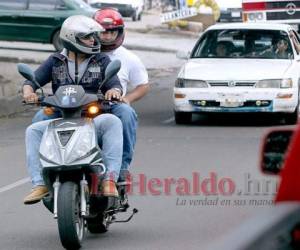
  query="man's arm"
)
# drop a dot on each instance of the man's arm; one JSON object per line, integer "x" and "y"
{"x": 42, "y": 76}
{"x": 138, "y": 79}
{"x": 29, "y": 95}
{"x": 136, "y": 94}
{"x": 112, "y": 89}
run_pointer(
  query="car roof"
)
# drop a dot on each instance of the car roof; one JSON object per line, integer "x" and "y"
{"x": 260, "y": 25}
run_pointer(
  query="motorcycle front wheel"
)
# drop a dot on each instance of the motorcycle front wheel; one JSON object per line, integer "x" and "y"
{"x": 70, "y": 222}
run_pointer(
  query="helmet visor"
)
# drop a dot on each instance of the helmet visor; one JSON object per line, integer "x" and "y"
{"x": 108, "y": 37}
{"x": 90, "y": 40}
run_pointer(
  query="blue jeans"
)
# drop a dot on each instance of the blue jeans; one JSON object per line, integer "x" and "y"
{"x": 128, "y": 117}
{"x": 109, "y": 130}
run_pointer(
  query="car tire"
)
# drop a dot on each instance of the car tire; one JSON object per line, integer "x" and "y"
{"x": 134, "y": 16}
{"x": 56, "y": 41}
{"x": 182, "y": 117}
{"x": 139, "y": 17}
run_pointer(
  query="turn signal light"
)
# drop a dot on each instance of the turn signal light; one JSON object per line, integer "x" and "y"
{"x": 92, "y": 110}
{"x": 284, "y": 96}
{"x": 177, "y": 95}
{"x": 48, "y": 111}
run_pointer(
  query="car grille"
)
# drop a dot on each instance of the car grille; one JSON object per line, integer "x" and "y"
{"x": 231, "y": 83}
{"x": 216, "y": 104}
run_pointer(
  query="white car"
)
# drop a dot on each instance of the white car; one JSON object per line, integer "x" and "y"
{"x": 240, "y": 67}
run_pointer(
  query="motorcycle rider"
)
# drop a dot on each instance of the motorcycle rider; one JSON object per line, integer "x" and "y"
{"x": 132, "y": 73}
{"x": 79, "y": 35}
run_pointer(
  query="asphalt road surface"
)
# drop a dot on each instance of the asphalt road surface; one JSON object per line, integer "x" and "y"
{"x": 221, "y": 149}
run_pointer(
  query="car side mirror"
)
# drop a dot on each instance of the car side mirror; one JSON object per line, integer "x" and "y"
{"x": 274, "y": 149}
{"x": 183, "y": 54}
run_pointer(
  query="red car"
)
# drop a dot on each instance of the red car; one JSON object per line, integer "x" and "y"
{"x": 278, "y": 227}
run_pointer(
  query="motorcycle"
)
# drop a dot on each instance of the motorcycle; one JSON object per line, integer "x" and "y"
{"x": 72, "y": 164}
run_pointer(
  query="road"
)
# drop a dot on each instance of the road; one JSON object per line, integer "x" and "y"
{"x": 221, "y": 149}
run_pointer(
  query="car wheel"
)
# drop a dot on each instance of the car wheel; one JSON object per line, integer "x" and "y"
{"x": 134, "y": 16}
{"x": 182, "y": 117}
{"x": 140, "y": 17}
{"x": 292, "y": 118}
{"x": 56, "y": 41}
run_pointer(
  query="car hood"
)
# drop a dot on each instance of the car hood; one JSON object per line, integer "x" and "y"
{"x": 229, "y": 69}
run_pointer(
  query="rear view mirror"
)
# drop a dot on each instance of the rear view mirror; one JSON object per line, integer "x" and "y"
{"x": 26, "y": 71}
{"x": 112, "y": 69}
{"x": 274, "y": 150}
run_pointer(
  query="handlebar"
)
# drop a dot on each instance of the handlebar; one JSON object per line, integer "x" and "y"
{"x": 39, "y": 102}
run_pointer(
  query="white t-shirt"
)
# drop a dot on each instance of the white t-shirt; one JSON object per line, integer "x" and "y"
{"x": 132, "y": 72}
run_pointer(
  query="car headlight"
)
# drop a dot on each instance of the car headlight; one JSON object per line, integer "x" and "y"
{"x": 286, "y": 83}
{"x": 251, "y": 16}
{"x": 258, "y": 16}
{"x": 275, "y": 83}
{"x": 185, "y": 83}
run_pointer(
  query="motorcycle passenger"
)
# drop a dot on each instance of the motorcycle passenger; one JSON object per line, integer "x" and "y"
{"x": 132, "y": 73}
{"x": 79, "y": 36}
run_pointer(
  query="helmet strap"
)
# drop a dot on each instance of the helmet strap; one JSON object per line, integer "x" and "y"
{"x": 76, "y": 69}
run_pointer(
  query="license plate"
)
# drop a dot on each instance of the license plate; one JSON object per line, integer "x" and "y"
{"x": 231, "y": 100}
{"x": 235, "y": 14}
{"x": 231, "y": 103}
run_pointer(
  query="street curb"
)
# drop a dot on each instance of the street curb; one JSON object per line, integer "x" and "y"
{"x": 128, "y": 46}
{"x": 164, "y": 31}
{"x": 147, "y": 48}
{"x": 20, "y": 60}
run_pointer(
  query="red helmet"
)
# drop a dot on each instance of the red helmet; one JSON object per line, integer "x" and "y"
{"x": 111, "y": 20}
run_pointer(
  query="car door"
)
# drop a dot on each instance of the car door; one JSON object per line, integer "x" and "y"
{"x": 11, "y": 12}
{"x": 42, "y": 19}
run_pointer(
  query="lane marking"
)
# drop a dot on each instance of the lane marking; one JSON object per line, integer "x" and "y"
{"x": 169, "y": 120}
{"x": 14, "y": 185}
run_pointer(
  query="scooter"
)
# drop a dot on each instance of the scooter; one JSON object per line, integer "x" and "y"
{"x": 72, "y": 164}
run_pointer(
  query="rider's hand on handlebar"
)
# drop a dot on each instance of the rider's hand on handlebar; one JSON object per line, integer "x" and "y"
{"x": 112, "y": 94}
{"x": 30, "y": 97}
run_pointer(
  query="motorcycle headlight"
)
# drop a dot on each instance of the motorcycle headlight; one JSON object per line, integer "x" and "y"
{"x": 49, "y": 149}
{"x": 83, "y": 145}
{"x": 275, "y": 83}
{"x": 185, "y": 83}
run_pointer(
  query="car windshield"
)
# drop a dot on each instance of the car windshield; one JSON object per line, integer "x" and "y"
{"x": 244, "y": 43}
{"x": 81, "y": 4}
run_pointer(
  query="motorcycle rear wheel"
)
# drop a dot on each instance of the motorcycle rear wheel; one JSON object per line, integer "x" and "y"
{"x": 97, "y": 225}
{"x": 70, "y": 223}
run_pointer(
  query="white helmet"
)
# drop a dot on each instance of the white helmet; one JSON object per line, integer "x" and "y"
{"x": 79, "y": 26}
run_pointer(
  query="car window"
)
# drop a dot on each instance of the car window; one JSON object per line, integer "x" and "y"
{"x": 60, "y": 5}
{"x": 81, "y": 4}
{"x": 42, "y": 4}
{"x": 13, "y": 4}
{"x": 244, "y": 43}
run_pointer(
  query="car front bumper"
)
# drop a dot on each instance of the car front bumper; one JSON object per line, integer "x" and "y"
{"x": 233, "y": 100}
